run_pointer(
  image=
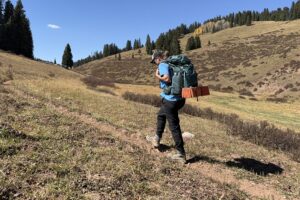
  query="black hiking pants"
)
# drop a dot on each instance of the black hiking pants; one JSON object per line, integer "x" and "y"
{"x": 169, "y": 111}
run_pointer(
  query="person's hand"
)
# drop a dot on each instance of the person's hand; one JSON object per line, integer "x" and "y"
{"x": 157, "y": 73}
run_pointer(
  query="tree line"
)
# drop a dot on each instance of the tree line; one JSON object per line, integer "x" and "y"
{"x": 246, "y": 17}
{"x": 113, "y": 49}
{"x": 169, "y": 41}
{"x": 15, "y": 32}
{"x": 110, "y": 49}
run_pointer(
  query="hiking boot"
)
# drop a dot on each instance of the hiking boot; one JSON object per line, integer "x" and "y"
{"x": 177, "y": 156}
{"x": 154, "y": 140}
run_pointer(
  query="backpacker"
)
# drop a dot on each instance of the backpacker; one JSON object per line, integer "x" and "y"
{"x": 183, "y": 75}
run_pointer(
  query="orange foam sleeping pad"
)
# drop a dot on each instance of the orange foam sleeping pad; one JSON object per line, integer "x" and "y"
{"x": 195, "y": 92}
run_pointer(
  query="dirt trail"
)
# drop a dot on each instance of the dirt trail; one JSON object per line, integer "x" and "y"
{"x": 209, "y": 170}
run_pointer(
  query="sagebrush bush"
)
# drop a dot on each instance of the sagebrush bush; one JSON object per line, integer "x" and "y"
{"x": 277, "y": 100}
{"x": 93, "y": 81}
{"x": 145, "y": 99}
{"x": 260, "y": 133}
{"x": 246, "y": 92}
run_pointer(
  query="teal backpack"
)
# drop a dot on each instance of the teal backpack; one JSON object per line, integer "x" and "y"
{"x": 183, "y": 74}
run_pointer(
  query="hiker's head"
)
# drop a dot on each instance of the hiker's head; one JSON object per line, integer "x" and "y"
{"x": 157, "y": 57}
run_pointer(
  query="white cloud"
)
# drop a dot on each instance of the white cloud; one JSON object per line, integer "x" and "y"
{"x": 53, "y": 26}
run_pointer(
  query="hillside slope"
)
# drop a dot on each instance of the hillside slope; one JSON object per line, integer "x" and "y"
{"x": 67, "y": 140}
{"x": 263, "y": 59}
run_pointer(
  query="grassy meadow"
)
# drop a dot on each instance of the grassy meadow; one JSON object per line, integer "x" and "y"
{"x": 63, "y": 138}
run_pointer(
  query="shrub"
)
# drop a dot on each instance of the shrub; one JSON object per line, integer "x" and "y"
{"x": 249, "y": 84}
{"x": 253, "y": 99}
{"x": 277, "y": 100}
{"x": 246, "y": 93}
{"x": 279, "y": 91}
{"x": 290, "y": 85}
{"x": 261, "y": 83}
{"x": 93, "y": 81}
{"x": 153, "y": 100}
{"x": 227, "y": 89}
{"x": 107, "y": 91}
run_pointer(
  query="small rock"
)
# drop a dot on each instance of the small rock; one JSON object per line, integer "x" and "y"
{"x": 188, "y": 135}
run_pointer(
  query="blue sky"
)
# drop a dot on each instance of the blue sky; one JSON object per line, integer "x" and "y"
{"x": 88, "y": 25}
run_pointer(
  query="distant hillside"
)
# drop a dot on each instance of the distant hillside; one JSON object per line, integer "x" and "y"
{"x": 262, "y": 59}
{"x": 19, "y": 67}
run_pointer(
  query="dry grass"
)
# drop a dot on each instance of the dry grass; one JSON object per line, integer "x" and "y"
{"x": 45, "y": 154}
{"x": 211, "y": 140}
{"x": 62, "y": 157}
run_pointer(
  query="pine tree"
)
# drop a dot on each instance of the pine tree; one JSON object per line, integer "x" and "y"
{"x": 153, "y": 45}
{"x": 148, "y": 45}
{"x": 248, "y": 19}
{"x": 297, "y": 10}
{"x": 231, "y": 20}
{"x": 54, "y": 62}
{"x": 285, "y": 14}
{"x": 23, "y": 42}
{"x": 8, "y": 11}
{"x": 1, "y": 24}
{"x": 135, "y": 44}
{"x": 128, "y": 45}
{"x": 7, "y": 31}
{"x": 105, "y": 50}
{"x": 193, "y": 27}
{"x": 198, "y": 42}
{"x": 175, "y": 46}
{"x": 27, "y": 49}
{"x": 292, "y": 12}
{"x": 266, "y": 15}
{"x": 139, "y": 43}
{"x": 160, "y": 42}
{"x": 190, "y": 45}
{"x": 67, "y": 59}
{"x": 1, "y": 13}
{"x": 16, "y": 32}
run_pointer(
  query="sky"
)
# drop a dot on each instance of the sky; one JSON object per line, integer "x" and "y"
{"x": 89, "y": 24}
